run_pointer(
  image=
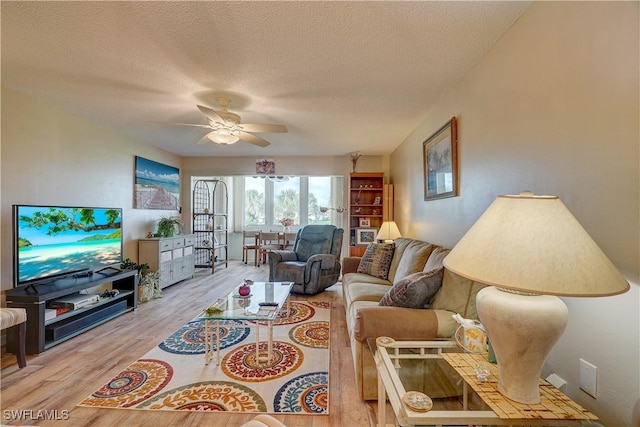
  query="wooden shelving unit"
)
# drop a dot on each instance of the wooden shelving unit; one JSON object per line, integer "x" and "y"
{"x": 369, "y": 200}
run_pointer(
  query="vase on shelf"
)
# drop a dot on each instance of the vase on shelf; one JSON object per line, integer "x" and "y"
{"x": 286, "y": 229}
{"x": 354, "y": 160}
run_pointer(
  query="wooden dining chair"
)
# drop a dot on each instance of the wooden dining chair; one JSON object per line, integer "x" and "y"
{"x": 288, "y": 239}
{"x": 269, "y": 241}
{"x": 251, "y": 242}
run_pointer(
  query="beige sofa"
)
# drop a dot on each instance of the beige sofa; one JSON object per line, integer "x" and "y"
{"x": 367, "y": 319}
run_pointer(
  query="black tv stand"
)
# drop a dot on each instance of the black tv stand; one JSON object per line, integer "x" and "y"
{"x": 31, "y": 289}
{"x": 44, "y": 333}
{"x": 109, "y": 271}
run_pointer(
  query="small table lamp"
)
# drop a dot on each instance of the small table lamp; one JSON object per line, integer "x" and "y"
{"x": 531, "y": 249}
{"x": 388, "y": 232}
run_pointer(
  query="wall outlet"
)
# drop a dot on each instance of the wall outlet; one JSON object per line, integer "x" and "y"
{"x": 588, "y": 376}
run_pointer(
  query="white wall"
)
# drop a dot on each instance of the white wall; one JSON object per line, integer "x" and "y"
{"x": 235, "y": 166}
{"x": 552, "y": 108}
{"x": 53, "y": 157}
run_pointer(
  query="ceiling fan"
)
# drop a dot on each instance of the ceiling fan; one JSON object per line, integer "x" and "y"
{"x": 225, "y": 127}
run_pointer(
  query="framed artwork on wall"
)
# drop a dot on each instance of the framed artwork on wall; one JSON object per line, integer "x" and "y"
{"x": 364, "y": 236}
{"x": 157, "y": 186}
{"x": 265, "y": 167}
{"x": 440, "y": 156}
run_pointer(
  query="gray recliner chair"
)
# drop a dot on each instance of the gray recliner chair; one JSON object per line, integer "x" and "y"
{"x": 313, "y": 264}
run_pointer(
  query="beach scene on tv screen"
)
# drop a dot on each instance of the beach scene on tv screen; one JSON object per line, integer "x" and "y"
{"x": 56, "y": 240}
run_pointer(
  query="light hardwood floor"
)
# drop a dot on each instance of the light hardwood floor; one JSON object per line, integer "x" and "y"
{"x": 59, "y": 378}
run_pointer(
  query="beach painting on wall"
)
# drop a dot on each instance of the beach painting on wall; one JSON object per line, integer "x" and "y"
{"x": 157, "y": 185}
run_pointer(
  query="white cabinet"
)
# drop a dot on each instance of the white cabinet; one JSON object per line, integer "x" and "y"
{"x": 172, "y": 256}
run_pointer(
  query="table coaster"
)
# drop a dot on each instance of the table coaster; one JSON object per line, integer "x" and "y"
{"x": 385, "y": 341}
{"x": 417, "y": 401}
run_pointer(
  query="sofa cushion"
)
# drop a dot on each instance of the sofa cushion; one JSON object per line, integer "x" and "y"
{"x": 457, "y": 295}
{"x": 413, "y": 259}
{"x": 350, "y": 278}
{"x": 435, "y": 259}
{"x": 414, "y": 291}
{"x": 377, "y": 259}
{"x": 368, "y": 320}
{"x": 401, "y": 244}
{"x": 366, "y": 292}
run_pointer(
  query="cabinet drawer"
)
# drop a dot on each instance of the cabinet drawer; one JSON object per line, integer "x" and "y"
{"x": 188, "y": 241}
{"x": 165, "y": 244}
{"x": 178, "y": 243}
{"x": 165, "y": 256}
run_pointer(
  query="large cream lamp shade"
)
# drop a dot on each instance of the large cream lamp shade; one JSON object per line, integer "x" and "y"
{"x": 531, "y": 250}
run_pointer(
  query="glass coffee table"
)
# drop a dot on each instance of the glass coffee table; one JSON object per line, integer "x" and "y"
{"x": 432, "y": 383}
{"x": 249, "y": 309}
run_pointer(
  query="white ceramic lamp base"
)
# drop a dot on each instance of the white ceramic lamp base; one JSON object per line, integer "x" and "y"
{"x": 523, "y": 329}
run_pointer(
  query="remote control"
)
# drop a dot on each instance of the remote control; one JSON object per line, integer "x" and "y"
{"x": 268, "y": 304}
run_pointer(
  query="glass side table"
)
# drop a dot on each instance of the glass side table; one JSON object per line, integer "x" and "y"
{"x": 431, "y": 383}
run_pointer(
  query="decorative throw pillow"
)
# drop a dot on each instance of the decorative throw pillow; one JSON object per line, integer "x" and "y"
{"x": 435, "y": 259}
{"x": 414, "y": 291}
{"x": 377, "y": 260}
{"x": 413, "y": 259}
{"x": 457, "y": 295}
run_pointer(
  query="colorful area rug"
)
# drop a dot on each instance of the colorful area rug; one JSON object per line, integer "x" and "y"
{"x": 173, "y": 376}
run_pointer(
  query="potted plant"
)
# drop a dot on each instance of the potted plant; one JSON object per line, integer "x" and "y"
{"x": 168, "y": 226}
{"x": 149, "y": 286}
{"x": 128, "y": 264}
{"x": 146, "y": 286}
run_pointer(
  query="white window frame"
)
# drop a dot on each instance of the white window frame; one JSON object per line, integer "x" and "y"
{"x": 336, "y": 200}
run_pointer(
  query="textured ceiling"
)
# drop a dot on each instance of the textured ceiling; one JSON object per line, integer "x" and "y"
{"x": 342, "y": 76}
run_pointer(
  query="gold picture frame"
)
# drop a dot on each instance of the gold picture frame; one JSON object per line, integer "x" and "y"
{"x": 440, "y": 157}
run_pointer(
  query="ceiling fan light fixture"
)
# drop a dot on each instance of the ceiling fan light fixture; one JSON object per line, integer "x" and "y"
{"x": 224, "y": 139}
{"x": 224, "y": 136}
{"x": 224, "y": 127}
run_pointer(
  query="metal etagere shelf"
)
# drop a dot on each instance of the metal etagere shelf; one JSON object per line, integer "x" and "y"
{"x": 210, "y": 223}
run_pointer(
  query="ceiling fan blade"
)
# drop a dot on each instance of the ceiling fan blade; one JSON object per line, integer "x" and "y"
{"x": 253, "y": 139}
{"x": 183, "y": 124}
{"x": 211, "y": 114}
{"x": 264, "y": 128}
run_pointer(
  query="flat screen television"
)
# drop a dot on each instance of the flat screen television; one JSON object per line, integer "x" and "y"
{"x": 51, "y": 242}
